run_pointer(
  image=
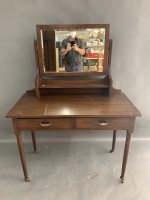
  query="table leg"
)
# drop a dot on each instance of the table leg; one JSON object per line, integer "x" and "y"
{"x": 22, "y": 156}
{"x": 21, "y": 150}
{"x": 125, "y": 156}
{"x": 34, "y": 141}
{"x": 113, "y": 141}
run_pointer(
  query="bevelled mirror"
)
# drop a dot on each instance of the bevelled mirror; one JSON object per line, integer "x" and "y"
{"x": 90, "y": 50}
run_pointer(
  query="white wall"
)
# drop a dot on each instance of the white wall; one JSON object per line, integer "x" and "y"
{"x": 129, "y": 28}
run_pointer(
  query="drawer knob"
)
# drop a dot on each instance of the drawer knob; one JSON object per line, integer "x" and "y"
{"x": 102, "y": 123}
{"x": 45, "y": 124}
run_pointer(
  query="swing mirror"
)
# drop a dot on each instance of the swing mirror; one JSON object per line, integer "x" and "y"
{"x": 93, "y": 38}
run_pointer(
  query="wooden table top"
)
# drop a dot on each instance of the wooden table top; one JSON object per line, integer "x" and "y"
{"x": 75, "y": 105}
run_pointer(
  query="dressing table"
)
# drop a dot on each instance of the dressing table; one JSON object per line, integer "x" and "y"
{"x": 73, "y": 100}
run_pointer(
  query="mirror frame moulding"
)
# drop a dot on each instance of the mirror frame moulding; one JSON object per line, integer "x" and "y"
{"x": 53, "y": 27}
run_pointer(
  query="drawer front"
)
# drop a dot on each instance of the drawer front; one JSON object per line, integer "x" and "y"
{"x": 45, "y": 124}
{"x": 105, "y": 123}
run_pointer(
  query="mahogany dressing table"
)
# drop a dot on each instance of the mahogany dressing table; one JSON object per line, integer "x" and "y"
{"x": 72, "y": 101}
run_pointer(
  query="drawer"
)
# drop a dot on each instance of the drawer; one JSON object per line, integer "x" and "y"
{"x": 105, "y": 123}
{"x": 45, "y": 124}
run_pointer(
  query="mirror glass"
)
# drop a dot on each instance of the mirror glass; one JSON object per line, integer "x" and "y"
{"x": 69, "y": 48}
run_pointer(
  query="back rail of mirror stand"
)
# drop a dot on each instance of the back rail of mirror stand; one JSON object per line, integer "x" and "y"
{"x": 70, "y": 85}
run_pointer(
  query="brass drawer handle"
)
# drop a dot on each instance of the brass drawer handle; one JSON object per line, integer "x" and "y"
{"x": 102, "y": 123}
{"x": 45, "y": 124}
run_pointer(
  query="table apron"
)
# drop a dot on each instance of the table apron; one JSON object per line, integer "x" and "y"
{"x": 92, "y": 123}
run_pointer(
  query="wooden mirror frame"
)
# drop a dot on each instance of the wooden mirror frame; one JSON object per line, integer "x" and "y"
{"x": 75, "y": 82}
{"x": 53, "y": 27}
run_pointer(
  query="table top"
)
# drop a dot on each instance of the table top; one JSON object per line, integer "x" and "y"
{"x": 74, "y": 105}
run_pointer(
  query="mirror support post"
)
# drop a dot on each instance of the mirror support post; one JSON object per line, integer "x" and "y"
{"x": 37, "y": 79}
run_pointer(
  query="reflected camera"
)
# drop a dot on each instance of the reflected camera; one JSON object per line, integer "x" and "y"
{"x": 72, "y": 43}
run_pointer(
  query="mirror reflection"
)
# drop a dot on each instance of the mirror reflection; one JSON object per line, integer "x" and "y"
{"x": 74, "y": 50}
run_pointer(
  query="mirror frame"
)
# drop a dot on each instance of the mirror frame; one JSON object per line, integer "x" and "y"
{"x": 53, "y": 27}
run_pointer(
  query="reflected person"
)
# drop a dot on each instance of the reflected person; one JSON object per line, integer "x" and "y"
{"x": 73, "y": 49}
